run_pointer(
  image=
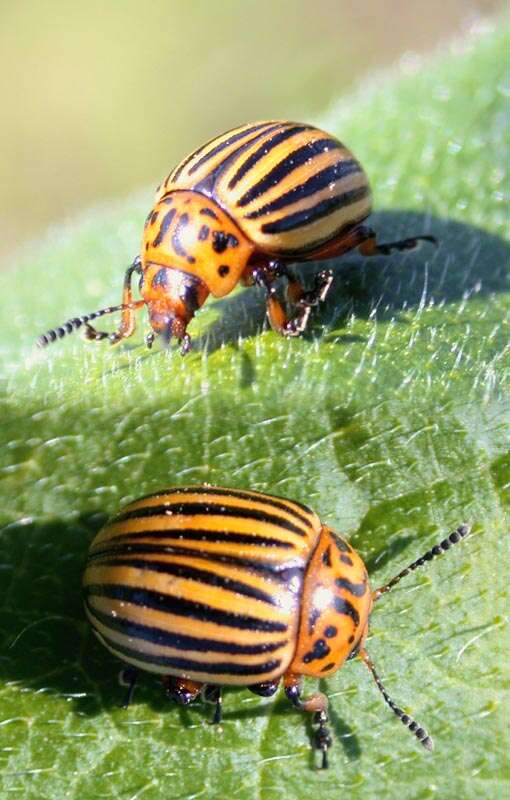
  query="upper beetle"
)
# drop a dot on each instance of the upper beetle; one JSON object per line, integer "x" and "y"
{"x": 242, "y": 208}
{"x": 209, "y": 586}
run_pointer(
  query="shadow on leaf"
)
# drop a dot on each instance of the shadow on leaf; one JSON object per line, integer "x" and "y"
{"x": 468, "y": 261}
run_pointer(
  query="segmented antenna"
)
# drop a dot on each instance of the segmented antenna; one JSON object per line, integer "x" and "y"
{"x": 420, "y": 733}
{"x": 75, "y": 323}
{"x": 437, "y": 550}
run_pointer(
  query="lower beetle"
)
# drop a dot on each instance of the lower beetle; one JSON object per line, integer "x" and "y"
{"x": 208, "y": 586}
{"x": 242, "y": 208}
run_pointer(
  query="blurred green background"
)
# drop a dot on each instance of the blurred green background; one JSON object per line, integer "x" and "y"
{"x": 103, "y": 97}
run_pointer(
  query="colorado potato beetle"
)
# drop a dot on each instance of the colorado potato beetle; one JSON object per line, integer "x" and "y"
{"x": 242, "y": 208}
{"x": 208, "y": 586}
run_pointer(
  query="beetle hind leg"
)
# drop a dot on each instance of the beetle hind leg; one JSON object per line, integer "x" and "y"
{"x": 370, "y": 246}
{"x": 317, "y": 704}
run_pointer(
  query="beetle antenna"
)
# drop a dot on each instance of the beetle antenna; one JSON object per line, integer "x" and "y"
{"x": 75, "y": 323}
{"x": 437, "y": 550}
{"x": 420, "y": 733}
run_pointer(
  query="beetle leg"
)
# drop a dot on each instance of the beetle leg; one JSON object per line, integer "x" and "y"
{"x": 212, "y": 694}
{"x": 180, "y": 690}
{"x": 304, "y": 300}
{"x": 370, "y": 247}
{"x": 128, "y": 677}
{"x": 297, "y": 294}
{"x": 317, "y": 704}
{"x": 265, "y": 689}
{"x": 149, "y": 339}
{"x": 127, "y": 320}
{"x": 186, "y": 344}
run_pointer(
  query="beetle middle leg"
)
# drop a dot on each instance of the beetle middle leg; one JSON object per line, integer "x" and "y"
{"x": 316, "y": 704}
{"x": 127, "y": 321}
{"x": 296, "y": 293}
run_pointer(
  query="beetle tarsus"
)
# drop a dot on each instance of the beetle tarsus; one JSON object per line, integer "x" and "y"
{"x": 322, "y": 737}
{"x": 212, "y": 694}
{"x": 128, "y": 678}
{"x": 185, "y": 344}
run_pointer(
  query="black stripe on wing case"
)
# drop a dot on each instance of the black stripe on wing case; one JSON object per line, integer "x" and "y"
{"x": 208, "y": 509}
{"x": 178, "y": 606}
{"x": 263, "y": 150}
{"x": 257, "y": 497}
{"x": 184, "y": 163}
{"x": 198, "y": 535}
{"x": 282, "y": 572}
{"x": 187, "y": 665}
{"x": 309, "y": 215}
{"x": 179, "y": 641}
{"x": 315, "y": 183}
{"x": 193, "y": 574}
{"x": 226, "y": 143}
{"x": 291, "y": 162}
{"x": 207, "y": 183}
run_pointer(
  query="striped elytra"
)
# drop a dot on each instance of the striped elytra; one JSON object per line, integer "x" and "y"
{"x": 241, "y": 209}
{"x": 208, "y": 586}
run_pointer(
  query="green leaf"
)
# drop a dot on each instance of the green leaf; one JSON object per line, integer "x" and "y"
{"x": 391, "y": 418}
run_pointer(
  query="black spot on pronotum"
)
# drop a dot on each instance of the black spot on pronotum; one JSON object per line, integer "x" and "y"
{"x": 208, "y": 212}
{"x": 319, "y": 650}
{"x": 312, "y": 620}
{"x": 223, "y": 270}
{"x": 346, "y": 560}
{"x": 341, "y": 543}
{"x": 203, "y": 233}
{"x": 222, "y": 240}
{"x": 163, "y": 228}
{"x": 330, "y": 632}
{"x": 344, "y": 607}
{"x": 326, "y": 557}
{"x": 356, "y": 589}
{"x": 351, "y": 639}
{"x": 328, "y": 667}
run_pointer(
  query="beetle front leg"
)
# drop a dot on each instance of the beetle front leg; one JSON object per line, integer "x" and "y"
{"x": 127, "y": 320}
{"x": 316, "y": 704}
